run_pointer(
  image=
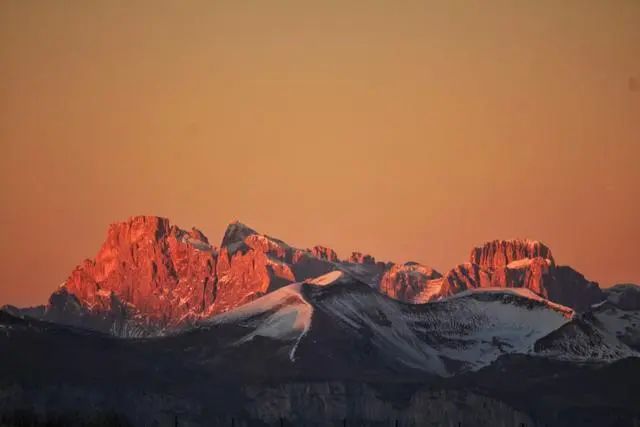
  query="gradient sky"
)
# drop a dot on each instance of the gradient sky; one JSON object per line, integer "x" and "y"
{"x": 412, "y": 130}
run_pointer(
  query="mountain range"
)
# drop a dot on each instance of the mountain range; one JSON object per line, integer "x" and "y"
{"x": 255, "y": 323}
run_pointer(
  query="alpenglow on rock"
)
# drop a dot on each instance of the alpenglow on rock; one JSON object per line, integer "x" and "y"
{"x": 150, "y": 276}
{"x": 500, "y": 253}
{"x": 522, "y": 264}
{"x": 411, "y": 282}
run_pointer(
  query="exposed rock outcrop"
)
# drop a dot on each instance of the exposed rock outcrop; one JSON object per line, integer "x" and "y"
{"x": 325, "y": 253}
{"x": 410, "y": 282}
{"x": 147, "y": 269}
{"x": 499, "y": 253}
{"x": 463, "y": 277}
{"x": 522, "y": 264}
{"x": 360, "y": 258}
{"x": 150, "y": 275}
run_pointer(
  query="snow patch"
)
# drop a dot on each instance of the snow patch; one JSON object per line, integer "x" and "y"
{"x": 520, "y": 292}
{"x": 326, "y": 279}
{"x": 390, "y": 325}
{"x": 283, "y": 315}
{"x": 477, "y": 331}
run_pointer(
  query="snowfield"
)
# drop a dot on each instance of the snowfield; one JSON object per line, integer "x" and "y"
{"x": 464, "y": 332}
{"x": 283, "y": 315}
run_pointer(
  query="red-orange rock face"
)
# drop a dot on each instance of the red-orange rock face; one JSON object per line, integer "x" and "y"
{"x": 522, "y": 263}
{"x": 499, "y": 253}
{"x": 249, "y": 265}
{"x": 163, "y": 272}
{"x": 155, "y": 273}
{"x": 324, "y": 253}
{"x": 411, "y": 282}
{"x": 463, "y": 277}
{"x": 149, "y": 275}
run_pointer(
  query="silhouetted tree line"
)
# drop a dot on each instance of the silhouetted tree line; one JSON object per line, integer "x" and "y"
{"x": 29, "y": 418}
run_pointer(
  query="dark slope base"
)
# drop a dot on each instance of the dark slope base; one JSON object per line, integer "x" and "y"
{"x": 56, "y": 373}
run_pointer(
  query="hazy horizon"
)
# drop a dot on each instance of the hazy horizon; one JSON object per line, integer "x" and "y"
{"x": 410, "y": 131}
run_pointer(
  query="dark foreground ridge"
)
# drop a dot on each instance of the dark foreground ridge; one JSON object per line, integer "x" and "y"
{"x": 56, "y": 373}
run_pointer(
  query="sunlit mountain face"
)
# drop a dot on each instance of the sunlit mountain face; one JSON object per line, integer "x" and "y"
{"x": 418, "y": 213}
{"x": 162, "y": 322}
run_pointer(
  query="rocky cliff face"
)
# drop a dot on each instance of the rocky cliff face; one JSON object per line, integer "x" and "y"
{"x": 325, "y": 253}
{"x": 500, "y": 253}
{"x": 463, "y": 277}
{"x": 162, "y": 271}
{"x": 522, "y": 264}
{"x": 148, "y": 272}
{"x": 411, "y": 282}
{"x": 150, "y": 275}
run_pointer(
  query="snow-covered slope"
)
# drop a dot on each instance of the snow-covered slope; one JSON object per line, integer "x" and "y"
{"x": 338, "y": 320}
{"x": 282, "y": 315}
{"x": 327, "y": 279}
{"x": 584, "y": 339}
{"x": 618, "y": 317}
{"x": 623, "y": 324}
{"x": 360, "y": 312}
{"x": 609, "y": 331}
{"x": 474, "y": 328}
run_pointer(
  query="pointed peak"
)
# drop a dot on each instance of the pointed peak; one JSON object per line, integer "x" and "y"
{"x": 198, "y": 235}
{"x": 236, "y": 232}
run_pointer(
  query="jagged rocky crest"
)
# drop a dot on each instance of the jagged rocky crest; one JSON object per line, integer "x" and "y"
{"x": 267, "y": 332}
{"x": 150, "y": 276}
{"x": 500, "y": 253}
{"x": 522, "y": 263}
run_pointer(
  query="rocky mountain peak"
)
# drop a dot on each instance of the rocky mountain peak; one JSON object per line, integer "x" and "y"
{"x": 236, "y": 232}
{"x": 411, "y": 282}
{"x": 198, "y": 235}
{"x": 156, "y": 270}
{"x": 137, "y": 228}
{"x": 360, "y": 258}
{"x": 151, "y": 272}
{"x": 325, "y": 253}
{"x": 500, "y": 253}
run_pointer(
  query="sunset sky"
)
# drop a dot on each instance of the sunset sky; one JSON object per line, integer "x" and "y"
{"x": 412, "y": 130}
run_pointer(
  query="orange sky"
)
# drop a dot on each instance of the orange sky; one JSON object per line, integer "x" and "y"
{"x": 412, "y": 130}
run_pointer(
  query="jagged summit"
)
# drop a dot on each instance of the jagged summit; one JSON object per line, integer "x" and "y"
{"x": 325, "y": 253}
{"x": 522, "y": 263}
{"x": 153, "y": 273}
{"x": 150, "y": 273}
{"x": 357, "y": 257}
{"x": 236, "y": 232}
{"x": 139, "y": 226}
{"x": 411, "y": 282}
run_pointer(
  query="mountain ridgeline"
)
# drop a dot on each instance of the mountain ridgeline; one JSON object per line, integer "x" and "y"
{"x": 162, "y": 327}
{"x": 151, "y": 276}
